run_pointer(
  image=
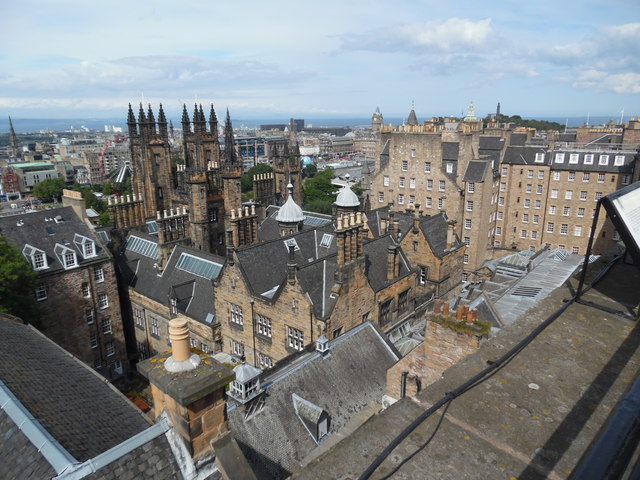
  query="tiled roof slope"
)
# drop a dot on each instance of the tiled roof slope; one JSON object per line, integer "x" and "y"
{"x": 274, "y": 439}
{"x": 71, "y": 402}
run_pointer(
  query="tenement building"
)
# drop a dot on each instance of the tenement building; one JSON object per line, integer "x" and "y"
{"x": 76, "y": 290}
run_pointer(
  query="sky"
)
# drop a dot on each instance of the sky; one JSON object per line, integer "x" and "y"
{"x": 73, "y": 59}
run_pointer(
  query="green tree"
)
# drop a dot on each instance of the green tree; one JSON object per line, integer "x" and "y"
{"x": 107, "y": 189}
{"x": 49, "y": 189}
{"x": 247, "y": 179}
{"x": 309, "y": 170}
{"x": 17, "y": 284}
{"x": 319, "y": 192}
{"x": 104, "y": 219}
{"x": 123, "y": 188}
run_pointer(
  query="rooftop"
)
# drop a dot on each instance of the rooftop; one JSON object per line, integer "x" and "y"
{"x": 532, "y": 419}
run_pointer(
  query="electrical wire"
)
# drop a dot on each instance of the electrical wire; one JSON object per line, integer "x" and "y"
{"x": 476, "y": 380}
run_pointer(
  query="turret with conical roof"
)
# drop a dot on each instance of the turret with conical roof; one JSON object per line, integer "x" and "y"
{"x": 413, "y": 119}
{"x": 346, "y": 202}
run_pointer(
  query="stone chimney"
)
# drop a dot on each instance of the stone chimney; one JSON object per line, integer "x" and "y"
{"x": 416, "y": 219}
{"x": 392, "y": 262}
{"x": 229, "y": 239}
{"x": 451, "y": 234}
{"x": 73, "y": 199}
{"x": 291, "y": 266}
{"x": 190, "y": 387}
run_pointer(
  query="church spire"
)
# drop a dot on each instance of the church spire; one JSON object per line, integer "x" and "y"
{"x": 213, "y": 121}
{"x": 151, "y": 120}
{"x": 162, "y": 124}
{"x": 14, "y": 139}
{"x": 131, "y": 123}
{"x": 186, "y": 124}
{"x": 142, "y": 121}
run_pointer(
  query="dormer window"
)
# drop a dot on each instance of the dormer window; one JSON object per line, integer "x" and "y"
{"x": 36, "y": 257}
{"x": 66, "y": 255}
{"x": 86, "y": 245}
{"x": 313, "y": 417}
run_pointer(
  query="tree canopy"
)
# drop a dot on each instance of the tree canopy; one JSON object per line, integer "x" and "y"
{"x": 318, "y": 192}
{"x": 522, "y": 122}
{"x": 49, "y": 189}
{"x": 17, "y": 284}
{"x": 247, "y": 178}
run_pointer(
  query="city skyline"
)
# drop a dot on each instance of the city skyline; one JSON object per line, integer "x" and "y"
{"x": 71, "y": 59}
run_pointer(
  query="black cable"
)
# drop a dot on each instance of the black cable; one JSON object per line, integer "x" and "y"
{"x": 476, "y": 380}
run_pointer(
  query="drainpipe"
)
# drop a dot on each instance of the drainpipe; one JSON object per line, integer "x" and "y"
{"x": 403, "y": 384}
{"x": 253, "y": 327}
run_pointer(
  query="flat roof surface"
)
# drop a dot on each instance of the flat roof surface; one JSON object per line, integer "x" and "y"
{"x": 533, "y": 419}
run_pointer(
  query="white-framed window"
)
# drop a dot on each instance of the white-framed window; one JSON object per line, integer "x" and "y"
{"x": 573, "y": 158}
{"x": 601, "y": 178}
{"x": 85, "y": 244}
{"x": 264, "y": 326}
{"x": 413, "y": 153}
{"x": 427, "y": 167}
{"x": 428, "y": 202}
{"x": 559, "y": 157}
{"x": 562, "y": 247}
{"x": 552, "y": 209}
{"x": 556, "y": 176}
{"x": 500, "y": 215}
{"x": 449, "y": 167}
{"x": 237, "y": 348}
{"x": 571, "y": 176}
{"x": 385, "y": 180}
{"x": 205, "y": 348}
{"x": 467, "y": 223}
{"x": 441, "y": 185}
{"x": 529, "y": 173}
{"x": 566, "y": 211}
{"x": 523, "y": 234}
{"x": 295, "y": 338}
{"x": 401, "y": 199}
{"x": 583, "y": 195}
{"x": 69, "y": 259}
{"x": 381, "y": 197}
{"x": 588, "y": 159}
{"x": 440, "y": 203}
{"x": 498, "y": 230}
{"x": 103, "y": 301}
{"x": 577, "y": 230}
{"x": 575, "y": 250}
{"x": 564, "y": 229}
{"x": 93, "y": 340}
{"x": 540, "y": 174}
{"x": 501, "y": 201}
{"x": 527, "y": 203}
{"x": 581, "y": 212}
{"x": 36, "y": 256}
{"x": 401, "y": 182}
{"x": 429, "y": 184}
{"x": 110, "y": 348}
{"x": 618, "y": 160}
{"x": 265, "y": 361}
{"x": 598, "y": 196}
{"x": 86, "y": 290}
{"x": 467, "y": 241}
{"x": 626, "y": 179}
{"x": 138, "y": 316}
{"x": 539, "y": 157}
{"x": 568, "y": 195}
{"x": 586, "y": 176}
{"x": 525, "y": 218}
{"x": 465, "y": 259}
{"x": 471, "y": 187}
{"x": 412, "y": 182}
{"x": 534, "y": 234}
{"x": 106, "y": 325}
{"x": 88, "y": 315}
{"x": 554, "y": 193}
{"x": 412, "y": 200}
{"x": 235, "y": 314}
{"x": 550, "y": 227}
{"x": 503, "y": 186}
{"x": 465, "y": 277}
{"x": 539, "y": 190}
{"x": 536, "y": 219}
{"x": 98, "y": 274}
{"x": 603, "y": 160}
{"x": 503, "y": 172}
{"x": 469, "y": 205}
{"x": 405, "y": 165}
{"x": 155, "y": 326}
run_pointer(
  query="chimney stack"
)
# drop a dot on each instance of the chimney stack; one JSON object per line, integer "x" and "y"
{"x": 291, "y": 266}
{"x": 451, "y": 234}
{"x": 392, "y": 258}
{"x": 194, "y": 402}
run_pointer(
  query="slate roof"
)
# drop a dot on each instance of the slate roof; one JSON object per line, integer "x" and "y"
{"x": 491, "y": 147}
{"x": 269, "y": 229}
{"x": 40, "y": 229}
{"x": 476, "y": 171}
{"x": 75, "y": 406}
{"x": 435, "y": 231}
{"x": 275, "y": 439}
{"x": 581, "y": 166}
{"x": 194, "y": 292}
{"x": 518, "y": 139}
{"x": 521, "y": 155}
{"x": 450, "y": 150}
{"x": 375, "y": 217}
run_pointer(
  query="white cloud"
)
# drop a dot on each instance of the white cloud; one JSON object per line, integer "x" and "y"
{"x": 602, "y": 81}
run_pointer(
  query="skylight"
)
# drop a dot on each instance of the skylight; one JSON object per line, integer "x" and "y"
{"x": 326, "y": 240}
{"x": 198, "y": 266}
{"x": 291, "y": 241}
{"x": 142, "y": 246}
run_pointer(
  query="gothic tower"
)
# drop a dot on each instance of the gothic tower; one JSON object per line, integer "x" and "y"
{"x": 377, "y": 120}
{"x": 15, "y": 146}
